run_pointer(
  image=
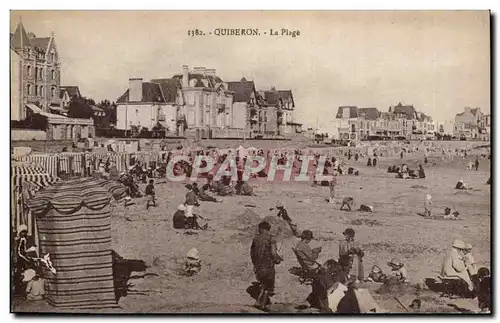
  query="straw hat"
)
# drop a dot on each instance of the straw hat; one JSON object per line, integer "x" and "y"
{"x": 28, "y": 275}
{"x": 181, "y": 207}
{"x": 193, "y": 253}
{"x": 468, "y": 246}
{"x": 428, "y": 197}
{"x": 395, "y": 262}
{"x": 459, "y": 244}
{"x": 21, "y": 228}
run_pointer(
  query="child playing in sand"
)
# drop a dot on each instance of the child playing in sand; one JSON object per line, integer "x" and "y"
{"x": 192, "y": 265}
{"x": 398, "y": 270}
{"x": 35, "y": 289}
{"x": 427, "y": 205}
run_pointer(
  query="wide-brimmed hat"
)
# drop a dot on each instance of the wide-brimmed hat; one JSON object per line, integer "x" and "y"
{"x": 280, "y": 204}
{"x": 181, "y": 207}
{"x": 193, "y": 254}
{"x": 28, "y": 275}
{"x": 459, "y": 244}
{"x": 307, "y": 235}
{"x": 395, "y": 262}
{"x": 21, "y": 228}
{"x": 468, "y": 246}
{"x": 349, "y": 232}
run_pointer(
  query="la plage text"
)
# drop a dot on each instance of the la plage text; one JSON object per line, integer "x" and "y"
{"x": 245, "y": 32}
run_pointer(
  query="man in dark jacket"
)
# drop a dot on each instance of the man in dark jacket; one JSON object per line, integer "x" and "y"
{"x": 264, "y": 257}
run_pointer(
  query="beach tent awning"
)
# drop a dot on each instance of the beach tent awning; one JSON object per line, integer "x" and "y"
{"x": 34, "y": 175}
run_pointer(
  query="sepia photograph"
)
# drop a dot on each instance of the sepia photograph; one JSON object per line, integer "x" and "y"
{"x": 250, "y": 162}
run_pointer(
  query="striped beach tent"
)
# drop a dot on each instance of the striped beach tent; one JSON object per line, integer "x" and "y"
{"x": 26, "y": 179}
{"x": 74, "y": 227}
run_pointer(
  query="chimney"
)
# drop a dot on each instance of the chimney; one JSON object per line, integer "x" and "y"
{"x": 185, "y": 76}
{"x": 210, "y": 72}
{"x": 199, "y": 70}
{"x": 135, "y": 90}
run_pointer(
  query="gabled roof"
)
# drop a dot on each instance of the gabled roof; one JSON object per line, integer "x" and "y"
{"x": 343, "y": 110}
{"x": 20, "y": 38}
{"x": 407, "y": 110}
{"x": 169, "y": 88}
{"x": 287, "y": 95}
{"x": 212, "y": 81}
{"x": 369, "y": 113}
{"x": 242, "y": 90}
{"x": 40, "y": 42}
{"x": 71, "y": 89}
{"x": 151, "y": 92}
{"x": 272, "y": 97}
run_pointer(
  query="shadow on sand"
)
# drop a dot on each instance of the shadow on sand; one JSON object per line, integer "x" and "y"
{"x": 122, "y": 273}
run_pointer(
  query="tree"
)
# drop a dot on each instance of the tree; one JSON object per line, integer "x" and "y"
{"x": 79, "y": 108}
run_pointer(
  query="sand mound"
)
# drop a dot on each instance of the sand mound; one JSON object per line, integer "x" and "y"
{"x": 279, "y": 227}
{"x": 248, "y": 220}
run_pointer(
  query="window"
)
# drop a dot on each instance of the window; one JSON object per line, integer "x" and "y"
{"x": 36, "y": 90}
{"x": 36, "y": 72}
{"x": 53, "y": 74}
{"x": 53, "y": 56}
{"x": 53, "y": 92}
{"x": 41, "y": 73}
{"x": 41, "y": 90}
{"x": 29, "y": 70}
{"x": 29, "y": 89}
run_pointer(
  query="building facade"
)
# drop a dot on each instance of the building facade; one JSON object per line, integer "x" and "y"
{"x": 467, "y": 124}
{"x": 208, "y": 102}
{"x": 39, "y": 70}
{"x": 246, "y": 107}
{"x": 36, "y": 79}
{"x": 145, "y": 105}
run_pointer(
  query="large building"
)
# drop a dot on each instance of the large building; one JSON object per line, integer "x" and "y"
{"x": 149, "y": 104}
{"x": 281, "y": 104}
{"x": 35, "y": 85}
{"x": 467, "y": 123}
{"x": 246, "y": 105}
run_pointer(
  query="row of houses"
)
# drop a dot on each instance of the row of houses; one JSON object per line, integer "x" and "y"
{"x": 199, "y": 101}
{"x": 401, "y": 121}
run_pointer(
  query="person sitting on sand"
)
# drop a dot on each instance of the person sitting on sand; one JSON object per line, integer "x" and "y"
{"x": 398, "y": 271}
{"x": 179, "y": 218}
{"x": 308, "y": 255}
{"x": 415, "y": 305}
{"x": 327, "y": 280}
{"x": 460, "y": 185}
{"x": 205, "y": 196}
{"x": 454, "y": 265}
{"x": 192, "y": 264}
{"x": 243, "y": 188}
{"x": 421, "y": 172}
{"x": 469, "y": 260}
{"x": 358, "y": 301}
{"x": 35, "y": 290}
{"x": 484, "y": 289}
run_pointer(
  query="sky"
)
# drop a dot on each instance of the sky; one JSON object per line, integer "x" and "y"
{"x": 437, "y": 61}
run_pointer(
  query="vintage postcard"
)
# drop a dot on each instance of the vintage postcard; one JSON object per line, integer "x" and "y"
{"x": 253, "y": 162}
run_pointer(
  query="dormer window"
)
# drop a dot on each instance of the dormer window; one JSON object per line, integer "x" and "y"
{"x": 52, "y": 56}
